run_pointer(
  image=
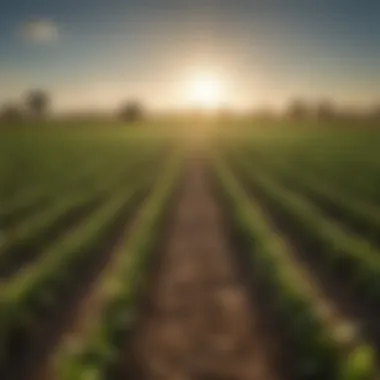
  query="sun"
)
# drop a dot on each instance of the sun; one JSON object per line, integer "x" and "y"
{"x": 205, "y": 91}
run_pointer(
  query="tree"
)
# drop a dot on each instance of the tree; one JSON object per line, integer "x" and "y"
{"x": 325, "y": 110}
{"x": 37, "y": 102}
{"x": 298, "y": 109}
{"x": 131, "y": 111}
{"x": 374, "y": 113}
{"x": 11, "y": 113}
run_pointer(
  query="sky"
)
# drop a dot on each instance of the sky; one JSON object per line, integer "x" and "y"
{"x": 94, "y": 54}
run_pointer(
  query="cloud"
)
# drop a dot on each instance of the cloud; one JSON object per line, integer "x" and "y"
{"x": 40, "y": 31}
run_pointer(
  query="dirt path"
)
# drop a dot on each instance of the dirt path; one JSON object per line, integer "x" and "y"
{"x": 198, "y": 323}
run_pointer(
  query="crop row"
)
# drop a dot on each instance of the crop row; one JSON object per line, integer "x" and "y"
{"x": 31, "y": 173}
{"x": 348, "y": 162}
{"x": 323, "y": 347}
{"x": 341, "y": 252}
{"x": 95, "y": 353}
{"x": 39, "y": 287}
{"x": 359, "y": 215}
{"x": 73, "y": 180}
{"x": 35, "y": 233}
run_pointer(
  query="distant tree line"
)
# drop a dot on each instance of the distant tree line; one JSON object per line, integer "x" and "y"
{"x": 299, "y": 109}
{"x": 36, "y": 104}
{"x": 320, "y": 110}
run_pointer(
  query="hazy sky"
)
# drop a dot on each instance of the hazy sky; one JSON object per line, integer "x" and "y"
{"x": 95, "y": 53}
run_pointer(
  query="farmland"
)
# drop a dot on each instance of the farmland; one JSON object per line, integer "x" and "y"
{"x": 232, "y": 253}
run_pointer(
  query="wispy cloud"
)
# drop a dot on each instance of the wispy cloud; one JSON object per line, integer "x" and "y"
{"x": 40, "y": 31}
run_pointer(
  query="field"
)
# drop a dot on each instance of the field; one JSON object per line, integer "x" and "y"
{"x": 212, "y": 253}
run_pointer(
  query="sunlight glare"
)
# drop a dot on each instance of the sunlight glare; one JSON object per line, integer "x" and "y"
{"x": 205, "y": 91}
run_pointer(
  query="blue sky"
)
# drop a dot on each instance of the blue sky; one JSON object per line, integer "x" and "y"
{"x": 96, "y": 53}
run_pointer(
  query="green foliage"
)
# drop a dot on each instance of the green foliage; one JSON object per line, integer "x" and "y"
{"x": 64, "y": 172}
{"x": 318, "y": 342}
{"x": 99, "y": 347}
{"x": 340, "y": 250}
{"x": 359, "y": 214}
{"x": 34, "y": 234}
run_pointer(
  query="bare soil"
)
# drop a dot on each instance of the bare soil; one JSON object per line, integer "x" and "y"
{"x": 198, "y": 322}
